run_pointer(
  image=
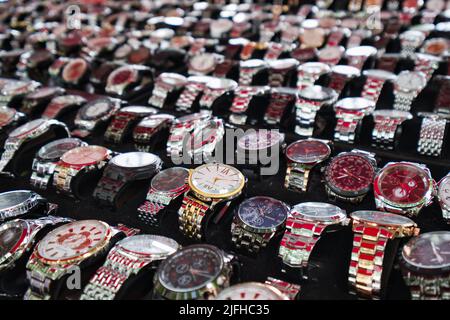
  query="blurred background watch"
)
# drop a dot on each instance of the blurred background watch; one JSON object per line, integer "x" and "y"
{"x": 164, "y": 85}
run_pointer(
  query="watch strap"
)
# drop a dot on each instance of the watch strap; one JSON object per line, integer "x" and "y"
{"x": 278, "y": 103}
{"x": 159, "y": 94}
{"x": 384, "y": 132}
{"x": 424, "y": 287}
{"x": 223, "y": 68}
{"x": 290, "y": 290}
{"x": 190, "y": 217}
{"x": 188, "y": 96}
{"x": 250, "y": 241}
{"x": 274, "y": 51}
{"x": 297, "y": 177}
{"x": 119, "y": 125}
{"x": 372, "y": 88}
{"x": 388, "y": 63}
{"x": 306, "y": 111}
{"x": 431, "y": 138}
{"x": 442, "y": 103}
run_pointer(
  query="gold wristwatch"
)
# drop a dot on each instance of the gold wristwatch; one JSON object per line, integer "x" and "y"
{"x": 210, "y": 185}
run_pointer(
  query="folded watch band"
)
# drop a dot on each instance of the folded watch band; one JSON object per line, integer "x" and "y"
{"x": 306, "y": 111}
{"x": 119, "y": 125}
{"x": 347, "y": 125}
{"x": 431, "y": 138}
{"x": 159, "y": 94}
{"x": 241, "y": 101}
{"x": 278, "y": 103}
{"x": 42, "y": 173}
{"x": 108, "y": 187}
{"x": 190, "y": 217}
{"x": 372, "y": 88}
{"x": 250, "y": 241}
{"x": 246, "y": 75}
{"x": 404, "y": 100}
{"x": 273, "y": 51}
{"x": 188, "y": 96}
{"x": 383, "y": 134}
{"x": 427, "y": 288}
{"x": 210, "y": 96}
{"x": 387, "y": 63}
{"x": 297, "y": 177}
{"x": 338, "y": 82}
{"x": 291, "y": 290}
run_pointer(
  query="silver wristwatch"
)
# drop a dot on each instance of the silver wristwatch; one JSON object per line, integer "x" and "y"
{"x": 214, "y": 89}
{"x": 443, "y": 196}
{"x": 19, "y": 202}
{"x": 248, "y": 69}
{"x": 407, "y": 87}
{"x": 432, "y": 133}
{"x": 387, "y": 123}
{"x": 164, "y": 84}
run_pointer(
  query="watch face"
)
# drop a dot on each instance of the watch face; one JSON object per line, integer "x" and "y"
{"x": 436, "y": 46}
{"x": 173, "y": 79}
{"x": 123, "y": 51}
{"x": 121, "y": 76}
{"x": 364, "y": 51}
{"x": 98, "y": 44}
{"x": 205, "y": 137}
{"x": 282, "y": 64}
{"x": 379, "y": 74}
{"x": 135, "y": 159}
{"x": 170, "y": 180}
{"x": 149, "y": 245}
{"x": 319, "y": 211}
{"x": 435, "y": 5}
{"x": 203, "y": 63}
{"x": 190, "y": 268}
{"x": 252, "y": 63}
{"x": 380, "y": 115}
{"x": 348, "y": 71}
{"x": 216, "y": 180}
{"x": 316, "y": 68}
{"x": 225, "y": 84}
{"x": 96, "y": 109}
{"x": 11, "y": 199}
{"x": 27, "y": 128}
{"x": 355, "y": 104}
{"x": 74, "y": 240}
{"x": 250, "y": 291}
{"x": 43, "y": 93}
{"x": 155, "y": 120}
{"x": 260, "y": 140}
{"x": 139, "y": 110}
{"x": 317, "y": 93}
{"x": 444, "y": 191}
{"x": 350, "y": 173}
{"x": 382, "y": 218}
{"x": 330, "y": 53}
{"x": 11, "y": 234}
{"x": 74, "y": 70}
{"x": 429, "y": 250}
{"x": 263, "y": 212}
{"x": 403, "y": 183}
{"x": 85, "y": 155}
{"x": 54, "y": 150}
{"x": 139, "y": 55}
{"x": 15, "y": 87}
{"x": 6, "y": 116}
{"x": 308, "y": 151}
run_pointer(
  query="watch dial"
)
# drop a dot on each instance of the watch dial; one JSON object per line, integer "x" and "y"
{"x": 350, "y": 173}
{"x": 250, "y": 291}
{"x": 260, "y": 140}
{"x": 403, "y": 183}
{"x": 27, "y": 128}
{"x": 202, "y": 137}
{"x": 355, "y": 103}
{"x": 13, "y": 198}
{"x": 73, "y": 240}
{"x": 217, "y": 179}
{"x": 314, "y": 67}
{"x": 173, "y": 79}
{"x": 122, "y": 75}
{"x": 149, "y": 244}
{"x": 436, "y": 46}
{"x": 6, "y": 116}
{"x": 190, "y": 268}
{"x": 444, "y": 191}
{"x": 203, "y": 62}
{"x": 74, "y": 70}
{"x": 383, "y": 218}
{"x": 139, "y": 110}
{"x": 313, "y": 38}
{"x": 319, "y": 211}
{"x": 307, "y": 151}
{"x": 263, "y": 212}
{"x": 135, "y": 159}
{"x": 317, "y": 93}
{"x": 10, "y": 236}
{"x": 429, "y": 250}
{"x": 84, "y": 156}
{"x": 170, "y": 179}
{"x": 154, "y": 121}
{"x": 55, "y": 149}
{"x": 96, "y": 109}
{"x": 411, "y": 80}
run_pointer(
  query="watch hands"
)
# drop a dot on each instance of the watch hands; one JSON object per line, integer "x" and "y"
{"x": 436, "y": 253}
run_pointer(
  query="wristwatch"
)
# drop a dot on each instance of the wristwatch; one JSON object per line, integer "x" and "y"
{"x": 75, "y": 71}
{"x": 16, "y": 88}
{"x": 274, "y": 51}
{"x": 357, "y": 56}
{"x": 375, "y": 79}
{"x": 290, "y": 290}
{"x": 214, "y": 89}
{"x": 220, "y": 27}
{"x": 436, "y": 46}
{"x": 203, "y": 140}
{"x": 387, "y": 127}
{"x": 165, "y": 187}
{"x": 267, "y": 30}
{"x": 248, "y": 69}
{"x": 78, "y": 160}
{"x": 27, "y": 133}
{"x": 426, "y": 63}
{"x": 60, "y": 104}
{"x": 349, "y": 114}
{"x": 47, "y": 157}
{"x": 410, "y": 41}
{"x": 123, "y": 169}
{"x": 311, "y": 35}
{"x": 341, "y": 75}
{"x": 256, "y": 221}
{"x": 280, "y": 99}
{"x": 251, "y": 291}
{"x": 305, "y": 225}
{"x": 443, "y": 196}
{"x": 425, "y": 265}
{"x": 331, "y": 55}
{"x": 75, "y": 244}
{"x": 164, "y": 85}
{"x": 309, "y": 101}
{"x": 129, "y": 257}
{"x": 93, "y": 113}
{"x": 403, "y": 188}
{"x": 194, "y": 87}
{"x": 180, "y": 130}
{"x": 372, "y": 231}
{"x": 203, "y": 63}
{"x": 123, "y": 121}
{"x": 407, "y": 87}
{"x": 177, "y": 276}
{"x": 242, "y": 97}
{"x": 9, "y": 118}
{"x": 149, "y": 127}
{"x": 206, "y": 194}
{"x": 17, "y": 238}
{"x": 121, "y": 79}
{"x": 18, "y": 203}
{"x": 432, "y": 133}
{"x": 302, "y": 156}
{"x": 349, "y": 175}
{"x": 309, "y": 72}
{"x": 33, "y": 101}
{"x": 279, "y": 70}
{"x": 388, "y": 62}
